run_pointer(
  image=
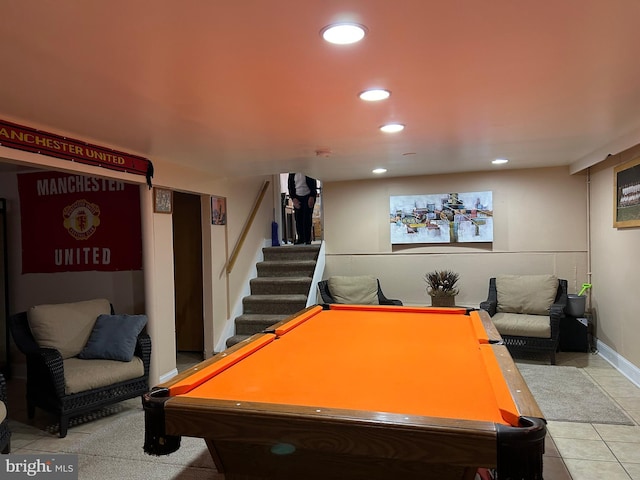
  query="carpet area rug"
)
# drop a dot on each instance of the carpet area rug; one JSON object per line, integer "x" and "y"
{"x": 568, "y": 394}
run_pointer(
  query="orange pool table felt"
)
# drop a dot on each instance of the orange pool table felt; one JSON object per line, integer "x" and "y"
{"x": 350, "y": 358}
{"x": 440, "y": 369}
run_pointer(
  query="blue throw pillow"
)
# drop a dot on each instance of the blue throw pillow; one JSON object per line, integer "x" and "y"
{"x": 114, "y": 337}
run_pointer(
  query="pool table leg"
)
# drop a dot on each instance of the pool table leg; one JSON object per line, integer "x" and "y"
{"x": 214, "y": 455}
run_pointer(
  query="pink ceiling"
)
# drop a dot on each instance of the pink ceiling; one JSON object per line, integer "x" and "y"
{"x": 245, "y": 87}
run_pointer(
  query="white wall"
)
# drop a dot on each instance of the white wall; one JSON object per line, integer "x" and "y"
{"x": 615, "y": 263}
{"x": 539, "y": 227}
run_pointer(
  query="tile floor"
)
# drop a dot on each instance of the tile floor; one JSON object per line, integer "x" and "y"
{"x": 575, "y": 451}
{"x": 583, "y": 451}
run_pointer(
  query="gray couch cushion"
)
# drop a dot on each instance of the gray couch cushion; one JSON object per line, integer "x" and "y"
{"x": 355, "y": 290}
{"x": 522, "y": 325}
{"x": 66, "y": 326}
{"x": 81, "y": 375}
{"x": 3, "y": 411}
{"x": 529, "y": 294}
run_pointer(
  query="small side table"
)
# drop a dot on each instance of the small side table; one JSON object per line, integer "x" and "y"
{"x": 576, "y": 334}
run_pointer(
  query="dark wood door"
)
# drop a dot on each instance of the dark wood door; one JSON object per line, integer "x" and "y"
{"x": 187, "y": 257}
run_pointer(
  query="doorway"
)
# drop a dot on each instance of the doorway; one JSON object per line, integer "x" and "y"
{"x": 287, "y": 216}
{"x": 187, "y": 259}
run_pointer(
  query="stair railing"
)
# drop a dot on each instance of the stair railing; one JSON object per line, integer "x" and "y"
{"x": 247, "y": 226}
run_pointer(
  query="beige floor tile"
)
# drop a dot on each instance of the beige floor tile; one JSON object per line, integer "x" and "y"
{"x": 634, "y": 414}
{"x": 594, "y": 470}
{"x": 584, "y": 449}
{"x": 583, "y": 360}
{"x": 619, "y": 433}
{"x": 584, "y": 431}
{"x": 625, "y": 452}
{"x": 602, "y": 371}
{"x": 633, "y": 469}
{"x": 619, "y": 393}
{"x": 629, "y": 403}
{"x": 615, "y": 381}
{"x": 618, "y": 386}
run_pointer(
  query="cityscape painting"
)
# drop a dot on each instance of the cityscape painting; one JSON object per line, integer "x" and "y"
{"x": 441, "y": 218}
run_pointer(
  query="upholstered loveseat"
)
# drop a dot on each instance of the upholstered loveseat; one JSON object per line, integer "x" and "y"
{"x": 5, "y": 433}
{"x": 358, "y": 290}
{"x": 81, "y": 357}
{"x": 526, "y": 310}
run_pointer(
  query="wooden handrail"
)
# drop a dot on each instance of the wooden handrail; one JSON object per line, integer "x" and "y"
{"x": 245, "y": 230}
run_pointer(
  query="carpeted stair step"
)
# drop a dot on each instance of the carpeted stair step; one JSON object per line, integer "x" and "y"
{"x": 286, "y": 268}
{"x": 251, "y": 323}
{"x": 291, "y": 252}
{"x": 231, "y": 341}
{"x": 280, "y": 290}
{"x": 280, "y": 285}
{"x": 274, "y": 304}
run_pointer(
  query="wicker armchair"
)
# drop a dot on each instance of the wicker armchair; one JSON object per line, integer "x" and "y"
{"x": 5, "y": 433}
{"x": 327, "y": 297}
{"x": 46, "y": 378}
{"x": 532, "y": 342}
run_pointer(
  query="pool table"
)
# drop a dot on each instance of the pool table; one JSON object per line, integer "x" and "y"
{"x": 357, "y": 392}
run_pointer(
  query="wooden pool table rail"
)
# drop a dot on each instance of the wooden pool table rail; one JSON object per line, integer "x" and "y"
{"x": 372, "y": 441}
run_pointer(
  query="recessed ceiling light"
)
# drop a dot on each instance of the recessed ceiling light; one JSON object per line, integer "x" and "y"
{"x": 343, "y": 33}
{"x": 375, "y": 94}
{"x": 500, "y": 161}
{"x": 392, "y": 127}
{"x": 379, "y": 170}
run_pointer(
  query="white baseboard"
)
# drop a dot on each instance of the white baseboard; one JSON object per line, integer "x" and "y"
{"x": 168, "y": 376}
{"x": 623, "y": 365}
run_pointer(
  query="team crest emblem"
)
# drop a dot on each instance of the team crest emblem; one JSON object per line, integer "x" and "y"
{"x": 81, "y": 219}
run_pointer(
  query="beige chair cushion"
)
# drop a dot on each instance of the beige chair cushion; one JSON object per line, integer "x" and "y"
{"x": 356, "y": 290}
{"x": 66, "y": 326}
{"x": 522, "y": 325}
{"x": 3, "y": 411}
{"x": 81, "y": 375}
{"x": 530, "y": 294}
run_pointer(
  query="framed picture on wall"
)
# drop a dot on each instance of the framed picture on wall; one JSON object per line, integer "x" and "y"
{"x": 453, "y": 217}
{"x": 218, "y": 211}
{"x": 626, "y": 194}
{"x": 162, "y": 200}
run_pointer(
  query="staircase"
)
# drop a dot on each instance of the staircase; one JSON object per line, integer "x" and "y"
{"x": 280, "y": 290}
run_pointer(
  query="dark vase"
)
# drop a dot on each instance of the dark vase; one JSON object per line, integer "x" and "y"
{"x": 443, "y": 301}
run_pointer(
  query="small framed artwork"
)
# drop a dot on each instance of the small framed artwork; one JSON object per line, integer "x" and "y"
{"x": 218, "y": 211}
{"x": 162, "y": 200}
{"x": 626, "y": 194}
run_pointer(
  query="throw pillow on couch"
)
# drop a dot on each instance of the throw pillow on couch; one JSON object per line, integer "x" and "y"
{"x": 114, "y": 337}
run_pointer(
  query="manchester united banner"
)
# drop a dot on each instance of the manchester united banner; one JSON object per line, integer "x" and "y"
{"x": 75, "y": 223}
{"x": 37, "y": 141}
